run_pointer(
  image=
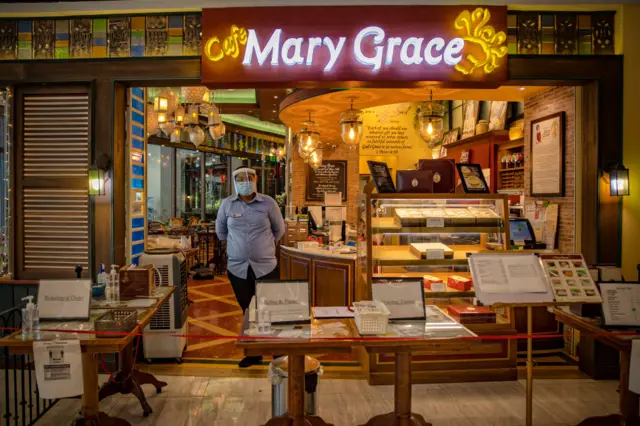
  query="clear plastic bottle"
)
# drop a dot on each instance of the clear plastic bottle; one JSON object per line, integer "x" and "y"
{"x": 30, "y": 320}
{"x": 114, "y": 280}
{"x": 102, "y": 281}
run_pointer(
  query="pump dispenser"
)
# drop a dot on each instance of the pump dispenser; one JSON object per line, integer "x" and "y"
{"x": 30, "y": 320}
{"x": 114, "y": 280}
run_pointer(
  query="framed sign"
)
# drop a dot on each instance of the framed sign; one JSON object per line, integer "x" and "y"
{"x": 279, "y": 46}
{"x": 470, "y": 111}
{"x": 331, "y": 177}
{"x": 547, "y": 156}
{"x": 403, "y": 297}
{"x": 64, "y": 299}
{"x": 287, "y": 301}
{"x": 451, "y": 136}
{"x": 472, "y": 179}
{"x": 381, "y": 177}
{"x": 497, "y": 115}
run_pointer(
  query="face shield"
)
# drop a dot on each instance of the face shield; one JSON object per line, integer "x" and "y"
{"x": 244, "y": 181}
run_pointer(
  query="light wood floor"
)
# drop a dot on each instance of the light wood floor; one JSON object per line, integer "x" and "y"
{"x": 224, "y": 401}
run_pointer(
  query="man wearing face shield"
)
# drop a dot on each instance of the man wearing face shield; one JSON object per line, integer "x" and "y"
{"x": 252, "y": 225}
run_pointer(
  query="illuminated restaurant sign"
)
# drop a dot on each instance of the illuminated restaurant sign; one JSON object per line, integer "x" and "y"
{"x": 345, "y": 44}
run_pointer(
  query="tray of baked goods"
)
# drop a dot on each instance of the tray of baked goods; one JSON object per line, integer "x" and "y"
{"x": 447, "y": 217}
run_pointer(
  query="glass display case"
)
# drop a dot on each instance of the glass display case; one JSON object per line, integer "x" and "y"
{"x": 429, "y": 237}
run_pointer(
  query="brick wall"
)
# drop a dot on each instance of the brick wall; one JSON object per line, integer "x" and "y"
{"x": 342, "y": 152}
{"x": 549, "y": 102}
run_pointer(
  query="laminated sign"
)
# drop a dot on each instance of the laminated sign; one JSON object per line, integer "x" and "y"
{"x": 58, "y": 366}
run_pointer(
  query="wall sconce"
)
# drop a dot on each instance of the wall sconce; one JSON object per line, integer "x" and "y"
{"x": 97, "y": 175}
{"x": 618, "y": 180}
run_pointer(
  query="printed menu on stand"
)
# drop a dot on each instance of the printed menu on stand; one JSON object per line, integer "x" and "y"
{"x": 513, "y": 278}
{"x": 621, "y": 303}
{"x": 570, "y": 278}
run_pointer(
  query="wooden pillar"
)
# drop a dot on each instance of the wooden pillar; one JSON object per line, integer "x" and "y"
{"x": 109, "y": 104}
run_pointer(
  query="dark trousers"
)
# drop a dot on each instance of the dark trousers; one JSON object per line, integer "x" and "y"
{"x": 245, "y": 288}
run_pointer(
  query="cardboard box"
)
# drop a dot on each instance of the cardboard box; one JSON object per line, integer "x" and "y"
{"x": 430, "y": 279}
{"x": 469, "y": 314}
{"x": 460, "y": 283}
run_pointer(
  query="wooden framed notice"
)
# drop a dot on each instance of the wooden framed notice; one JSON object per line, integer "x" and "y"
{"x": 470, "y": 111}
{"x": 330, "y": 177}
{"x": 547, "y": 156}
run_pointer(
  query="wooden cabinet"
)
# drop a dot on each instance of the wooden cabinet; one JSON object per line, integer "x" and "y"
{"x": 331, "y": 278}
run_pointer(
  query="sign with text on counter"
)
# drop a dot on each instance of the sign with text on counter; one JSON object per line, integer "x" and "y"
{"x": 341, "y": 44}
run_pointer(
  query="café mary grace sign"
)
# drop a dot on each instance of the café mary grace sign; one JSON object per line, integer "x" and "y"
{"x": 342, "y": 44}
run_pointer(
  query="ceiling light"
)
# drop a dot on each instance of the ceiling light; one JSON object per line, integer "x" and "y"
{"x": 274, "y": 111}
{"x": 351, "y": 126}
{"x": 522, "y": 88}
{"x": 308, "y": 139}
{"x": 275, "y": 97}
{"x": 430, "y": 121}
{"x": 315, "y": 159}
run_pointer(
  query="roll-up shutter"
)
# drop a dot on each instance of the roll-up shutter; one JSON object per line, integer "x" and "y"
{"x": 51, "y": 200}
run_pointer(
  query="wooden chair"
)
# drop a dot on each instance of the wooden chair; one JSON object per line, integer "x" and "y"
{"x": 175, "y": 222}
{"x": 193, "y": 222}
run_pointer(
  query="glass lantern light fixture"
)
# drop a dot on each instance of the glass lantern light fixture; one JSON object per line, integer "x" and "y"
{"x": 308, "y": 139}
{"x": 179, "y": 115}
{"x": 161, "y": 102}
{"x": 618, "y": 180}
{"x": 351, "y": 126}
{"x": 430, "y": 121}
{"x": 96, "y": 175}
{"x": 315, "y": 158}
{"x": 217, "y": 129}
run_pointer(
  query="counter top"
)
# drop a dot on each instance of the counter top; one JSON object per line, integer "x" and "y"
{"x": 319, "y": 252}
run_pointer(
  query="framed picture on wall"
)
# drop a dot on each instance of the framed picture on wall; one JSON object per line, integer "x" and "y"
{"x": 497, "y": 115}
{"x": 547, "y": 156}
{"x": 470, "y": 111}
{"x": 451, "y": 136}
{"x": 472, "y": 179}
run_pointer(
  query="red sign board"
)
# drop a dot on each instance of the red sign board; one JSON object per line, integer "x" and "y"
{"x": 288, "y": 45}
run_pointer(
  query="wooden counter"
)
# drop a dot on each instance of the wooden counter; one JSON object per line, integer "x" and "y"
{"x": 331, "y": 276}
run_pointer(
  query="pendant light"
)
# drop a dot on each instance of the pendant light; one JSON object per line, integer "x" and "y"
{"x": 217, "y": 129}
{"x": 351, "y": 126}
{"x": 192, "y": 119}
{"x": 430, "y": 120}
{"x": 308, "y": 139}
{"x": 315, "y": 159}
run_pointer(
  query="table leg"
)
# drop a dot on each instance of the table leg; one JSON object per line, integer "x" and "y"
{"x": 91, "y": 415}
{"x": 295, "y": 400}
{"x": 402, "y": 415}
{"x": 129, "y": 380}
{"x": 529, "y": 366}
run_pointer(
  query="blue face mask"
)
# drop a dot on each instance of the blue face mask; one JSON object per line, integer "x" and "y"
{"x": 244, "y": 188}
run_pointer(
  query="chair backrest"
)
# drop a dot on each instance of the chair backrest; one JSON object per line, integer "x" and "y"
{"x": 176, "y": 221}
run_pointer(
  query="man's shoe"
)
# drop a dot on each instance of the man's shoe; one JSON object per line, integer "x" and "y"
{"x": 248, "y": 361}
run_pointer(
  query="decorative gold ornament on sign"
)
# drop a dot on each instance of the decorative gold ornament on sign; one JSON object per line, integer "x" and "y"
{"x": 478, "y": 32}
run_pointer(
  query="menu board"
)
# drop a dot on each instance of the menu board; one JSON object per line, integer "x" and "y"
{"x": 621, "y": 303}
{"x": 570, "y": 278}
{"x": 381, "y": 177}
{"x": 547, "y": 156}
{"x": 331, "y": 176}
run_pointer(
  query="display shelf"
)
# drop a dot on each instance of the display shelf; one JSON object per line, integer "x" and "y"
{"x": 400, "y": 255}
{"x": 388, "y": 225}
{"x": 429, "y": 294}
{"x": 511, "y": 169}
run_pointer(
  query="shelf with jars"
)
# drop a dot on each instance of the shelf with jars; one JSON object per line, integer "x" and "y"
{"x": 429, "y": 237}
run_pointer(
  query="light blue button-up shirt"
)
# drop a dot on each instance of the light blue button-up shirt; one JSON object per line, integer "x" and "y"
{"x": 252, "y": 230}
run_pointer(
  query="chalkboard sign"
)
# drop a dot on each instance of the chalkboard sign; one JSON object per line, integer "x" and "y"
{"x": 381, "y": 177}
{"x": 331, "y": 176}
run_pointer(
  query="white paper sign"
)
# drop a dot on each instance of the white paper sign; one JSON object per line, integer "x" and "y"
{"x": 634, "y": 369}
{"x": 438, "y": 287}
{"x": 64, "y": 299}
{"x": 333, "y": 198}
{"x": 435, "y": 254}
{"x": 287, "y": 301}
{"x": 621, "y": 303}
{"x": 58, "y": 366}
{"x": 435, "y": 222}
{"x": 404, "y": 299}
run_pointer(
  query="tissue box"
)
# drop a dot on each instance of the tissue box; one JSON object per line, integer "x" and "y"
{"x": 430, "y": 279}
{"x": 468, "y": 314}
{"x": 460, "y": 283}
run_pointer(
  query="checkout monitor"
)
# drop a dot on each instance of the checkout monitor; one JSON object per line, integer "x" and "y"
{"x": 522, "y": 233}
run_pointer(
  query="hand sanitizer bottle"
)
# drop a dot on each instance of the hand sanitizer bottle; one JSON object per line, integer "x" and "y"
{"x": 102, "y": 281}
{"x": 114, "y": 280}
{"x": 30, "y": 320}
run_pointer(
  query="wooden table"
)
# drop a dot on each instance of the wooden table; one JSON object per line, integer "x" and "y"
{"x": 128, "y": 380}
{"x": 439, "y": 334}
{"x": 629, "y": 404}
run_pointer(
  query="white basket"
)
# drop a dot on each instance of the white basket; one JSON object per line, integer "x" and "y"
{"x": 372, "y": 317}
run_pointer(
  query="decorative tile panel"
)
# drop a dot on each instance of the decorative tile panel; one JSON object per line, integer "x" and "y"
{"x": 602, "y": 31}
{"x": 119, "y": 37}
{"x": 157, "y": 36}
{"x": 44, "y": 39}
{"x": 192, "y": 35}
{"x": 8, "y": 40}
{"x": 137, "y": 36}
{"x": 566, "y": 34}
{"x": 528, "y": 33}
{"x": 62, "y": 39}
{"x": 25, "y": 39}
{"x": 80, "y": 42}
